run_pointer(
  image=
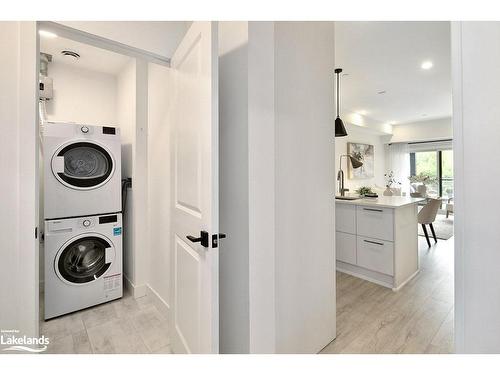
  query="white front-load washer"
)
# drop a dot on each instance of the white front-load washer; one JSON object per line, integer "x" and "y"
{"x": 83, "y": 263}
{"x": 82, "y": 170}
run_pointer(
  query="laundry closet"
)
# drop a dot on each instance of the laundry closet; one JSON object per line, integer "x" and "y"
{"x": 96, "y": 109}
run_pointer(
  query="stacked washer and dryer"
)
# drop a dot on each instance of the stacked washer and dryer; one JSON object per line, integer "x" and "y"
{"x": 83, "y": 220}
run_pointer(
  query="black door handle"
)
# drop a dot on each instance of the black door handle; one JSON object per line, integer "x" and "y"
{"x": 215, "y": 241}
{"x": 203, "y": 239}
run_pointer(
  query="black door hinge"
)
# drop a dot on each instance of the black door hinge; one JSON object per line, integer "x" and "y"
{"x": 36, "y": 233}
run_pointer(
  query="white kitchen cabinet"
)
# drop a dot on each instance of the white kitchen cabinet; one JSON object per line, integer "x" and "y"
{"x": 345, "y": 218}
{"x": 375, "y": 222}
{"x": 375, "y": 254}
{"x": 377, "y": 240}
{"x": 346, "y": 247}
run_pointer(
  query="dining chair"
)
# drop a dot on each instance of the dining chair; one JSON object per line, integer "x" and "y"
{"x": 427, "y": 216}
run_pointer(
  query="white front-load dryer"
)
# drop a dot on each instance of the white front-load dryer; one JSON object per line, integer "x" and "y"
{"x": 83, "y": 263}
{"x": 82, "y": 170}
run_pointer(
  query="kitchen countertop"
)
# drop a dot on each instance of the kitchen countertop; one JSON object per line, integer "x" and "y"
{"x": 382, "y": 201}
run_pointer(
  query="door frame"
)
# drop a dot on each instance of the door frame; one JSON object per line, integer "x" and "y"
{"x": 459, "y": 185}
{"x": 28, "y": 167}
{"x": 101, "y": 42}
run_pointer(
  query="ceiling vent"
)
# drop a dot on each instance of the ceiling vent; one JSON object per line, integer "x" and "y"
{"x": 70, "y": 54}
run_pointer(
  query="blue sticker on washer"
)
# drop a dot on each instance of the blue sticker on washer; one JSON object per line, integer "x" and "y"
{"x": 117, "y": 231}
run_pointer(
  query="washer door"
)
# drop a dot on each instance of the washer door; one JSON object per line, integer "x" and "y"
{"x": 85, "y": 259}
{"x": 83, "y": 165}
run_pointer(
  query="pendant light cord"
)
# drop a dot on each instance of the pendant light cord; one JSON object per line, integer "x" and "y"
{"x": 338, "y": 96}
{"x": 337, "y": 72}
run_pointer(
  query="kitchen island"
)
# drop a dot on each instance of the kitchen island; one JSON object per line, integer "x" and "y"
{"x": 377, "y": 239}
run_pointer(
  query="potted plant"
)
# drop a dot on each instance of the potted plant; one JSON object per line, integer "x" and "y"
{"x": 390, "y": 183}
{"x": 364, "y": 190}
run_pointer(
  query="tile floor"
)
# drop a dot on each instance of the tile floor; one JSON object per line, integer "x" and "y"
{"x": 416, "y": 319}
{"x": 124, "y": 326}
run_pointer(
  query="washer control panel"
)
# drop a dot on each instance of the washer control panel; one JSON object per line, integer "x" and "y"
{"x": 87, "y": 222}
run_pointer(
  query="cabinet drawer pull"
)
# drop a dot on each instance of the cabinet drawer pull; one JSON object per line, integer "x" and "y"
{"x": 374, "y": 242}
{"x": 373, "y": 209}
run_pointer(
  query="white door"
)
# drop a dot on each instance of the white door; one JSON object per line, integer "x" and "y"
{"x": 195, "y": 302}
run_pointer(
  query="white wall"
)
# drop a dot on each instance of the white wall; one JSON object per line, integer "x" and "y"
{"x": 234, "y": 313}
{"x": 159, "y": 181}
{"x": 277, "y": 266}
{"x": 132, "y": 112}
{"x": 82, "y": 95}
{"x": 305, "y": 242}
{"x": 476, "y": 126}
{"x": 140, "y": 180}
{"x": 18, "y": 191}
{"x": 126, "y": 114}
{"x": 261, "y": 189}
{"x": 430, "y": 130}
{"x": 159, "y": 37}
{"x": 358, "y": 134}
{"x": 246, "y": 187}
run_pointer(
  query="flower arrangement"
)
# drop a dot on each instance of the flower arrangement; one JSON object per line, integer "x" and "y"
{"x": 423, "y": 178}
{"x": 363, "y": 190}
{"x": 390, "y": 180}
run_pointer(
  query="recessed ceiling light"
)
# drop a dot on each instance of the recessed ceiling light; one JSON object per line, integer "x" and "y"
{"x": 47, "y": 34}
{"x": 426, "y": 65}
{"x": 381, "y": 92}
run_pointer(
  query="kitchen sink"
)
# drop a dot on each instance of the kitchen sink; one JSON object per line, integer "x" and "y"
{"x": 346, "y": 198}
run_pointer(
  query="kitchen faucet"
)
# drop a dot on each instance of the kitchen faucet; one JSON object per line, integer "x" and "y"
{"x": 340, "y": 175}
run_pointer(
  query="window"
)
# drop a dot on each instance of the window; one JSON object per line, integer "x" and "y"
{"x": 437, "y": 164}
{"x": 446, "y": 173}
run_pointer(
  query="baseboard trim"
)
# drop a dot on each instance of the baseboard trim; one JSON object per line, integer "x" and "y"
{"x": 162, "y": 306}
{"x": 406, "y": 281}
{"x": 365, "y": 277}
{"x": 136, "y": 290}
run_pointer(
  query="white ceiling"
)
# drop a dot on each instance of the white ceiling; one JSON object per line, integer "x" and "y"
{"x": 378, "y": 56}
{"x": 91, "y": 58}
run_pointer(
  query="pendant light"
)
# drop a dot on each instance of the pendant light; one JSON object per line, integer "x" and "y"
{"x": 339, "y": 125}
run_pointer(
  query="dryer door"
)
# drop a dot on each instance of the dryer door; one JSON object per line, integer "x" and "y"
{"x": 83, "y": 165}
{"x": 85, "y": 259}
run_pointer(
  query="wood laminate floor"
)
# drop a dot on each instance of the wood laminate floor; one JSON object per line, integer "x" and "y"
{"x": 416, "y": 319}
